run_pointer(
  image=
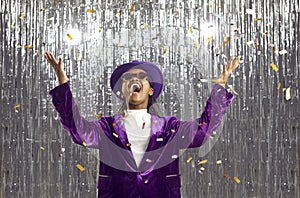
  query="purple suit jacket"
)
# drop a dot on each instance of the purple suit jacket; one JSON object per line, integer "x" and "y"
{"x": 158, "y": 173}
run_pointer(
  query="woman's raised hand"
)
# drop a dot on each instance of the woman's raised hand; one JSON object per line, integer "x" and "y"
{"x": 228, "y": 68}
{"x": 57, "y": 66}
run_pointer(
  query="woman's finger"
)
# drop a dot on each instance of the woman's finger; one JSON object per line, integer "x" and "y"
{"x": 230, "y": 63}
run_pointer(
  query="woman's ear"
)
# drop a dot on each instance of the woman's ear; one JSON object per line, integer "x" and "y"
{"x": 151, "y": 91}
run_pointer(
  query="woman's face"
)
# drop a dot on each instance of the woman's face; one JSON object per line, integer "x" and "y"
{"x": 136, "y": 88}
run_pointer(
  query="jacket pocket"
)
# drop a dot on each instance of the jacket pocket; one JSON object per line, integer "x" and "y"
{"x": 104, "y": 182}
{"x": 173, "y": 181}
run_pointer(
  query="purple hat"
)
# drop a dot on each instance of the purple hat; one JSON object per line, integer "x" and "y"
{"x": 155, "y": 76}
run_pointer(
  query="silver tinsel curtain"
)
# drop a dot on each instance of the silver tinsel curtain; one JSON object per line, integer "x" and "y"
{"x": 256, "y": 150}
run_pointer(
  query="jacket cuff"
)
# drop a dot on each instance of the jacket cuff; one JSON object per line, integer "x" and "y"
{"x": 59, "y": 92}
{"x": 222, "y": 95}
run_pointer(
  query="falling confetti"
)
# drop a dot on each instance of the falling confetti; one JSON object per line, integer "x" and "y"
{"x": 226, "y": 40}
{"x": 165, "y": 50}
{"x": 128, "y": 144}
{"x": 148, "y": 160}
{"x": 42, "y": 148}
{"x": 191, "y": 29}
{"x": 203, "y": 162}
{"x": 257, "y": 19}
{"x": 91, "y": 10}
{"x": 202, "y": 168}
{"x": 22, "y": 16}
{"x": 274, "y": 67}
{"x": 79, "y": 58}
{"x": 80, "y": 167}
{"x": 219, "y": 162}
{"x": 146, "y": 181}
{"x": 288, "y": 93}
{"x": 84, "y": 143}
{"x": 116, "y": 135}
{"x": 282, "y": 52}
{"x": 237, "y": 180}
{"x": 132, "y": 8}
{"x": 69, "y": 37}
{"x": 173, "y": 130}
{"x": 28, "y": 47}
{"x": 17, "y": 107}
{"x": 209, "y": 39}
{"x": 159, "y": 139}
{"x": 278, "y": 86}
{"x": 189, "y": 160}
{"x": 99, "y": 115}
{"x": 226, "y": 176}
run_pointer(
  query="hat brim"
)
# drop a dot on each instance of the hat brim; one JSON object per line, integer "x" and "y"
{"x": 155, "y": 76}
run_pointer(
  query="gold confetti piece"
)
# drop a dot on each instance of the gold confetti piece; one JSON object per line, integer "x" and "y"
{"x": 146, "y": 25}
{"x": 226, "y": 176}
{"x": 42, "y": 9}
{"x": 79, "y": 58}
{"x": 236, "y": 30}
{"x": 42, "y": 148}
{"x": 218, "y": 5}
{"x": 84, "y": 144}
{"x": 274, "y": 67}
{"x": 278, "y": 86}
{"x": 132, "y": 8}
{"x": 227, "y": 39}
{"x": 213, "y": 135}
{"x": 275, "y": 50}
{"x": 12, "y": 25}
{"x": 288, "y": 93}
{"x": 143, "y": 125}
{"x": 191, "y": 30}
{"x": 202, "y": 168}
{"x": 116, "y": 135}
{"x": 209, "y": 39}
{"x": 99, "y": 115}
{"x": 120, "y": 46}
{"x": 159, "y": 139}
{"x": 80, "y": 167}
{"x": 128, "y": 144}
{"x": 91, "y": 10}
{"x": 22, "y": 16}
{"x": 202, "y": 123}
{"x": 219, "y": 162}
{"x": 165, "y": 50}
{"x": 113, "y": 124}
{"x": 177, "y": 12}
{"x": 173, "y": 130}
{"x": 99, "y": 29}
{"x": 203, "y": 162}
{"x": 146, "y": 181}
{"x": 28, "y": 47}
{"x": 189, "y": 160}
{"x": 16, "y": 107}
{"x": 118, "y": 13}
{"x": 154, "y": 122}
{"x": 257, "y": 19}
{"x": 69, "y": 36}
{"x": 237, "y": 180}
{"x": 51, "y": 19}
{"x": 265, "y": 33}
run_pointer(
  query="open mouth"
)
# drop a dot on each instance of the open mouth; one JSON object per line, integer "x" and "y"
{"x": 134, "y": 87}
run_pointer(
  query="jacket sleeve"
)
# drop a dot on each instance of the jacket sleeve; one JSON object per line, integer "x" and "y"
{"x": 83, "y": 132}
{"x": 191, "y": 134}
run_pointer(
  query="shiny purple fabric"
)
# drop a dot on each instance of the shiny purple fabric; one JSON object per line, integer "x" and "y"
{"x": 158, "y": 173}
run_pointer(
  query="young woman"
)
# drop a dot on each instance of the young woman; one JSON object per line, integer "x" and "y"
{"x": 138, "y": 149}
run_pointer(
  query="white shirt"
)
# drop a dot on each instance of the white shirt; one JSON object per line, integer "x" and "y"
{"x": 138, "y": 129}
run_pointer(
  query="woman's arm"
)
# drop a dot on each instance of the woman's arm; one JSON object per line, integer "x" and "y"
{"x": 83, "y": 132}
